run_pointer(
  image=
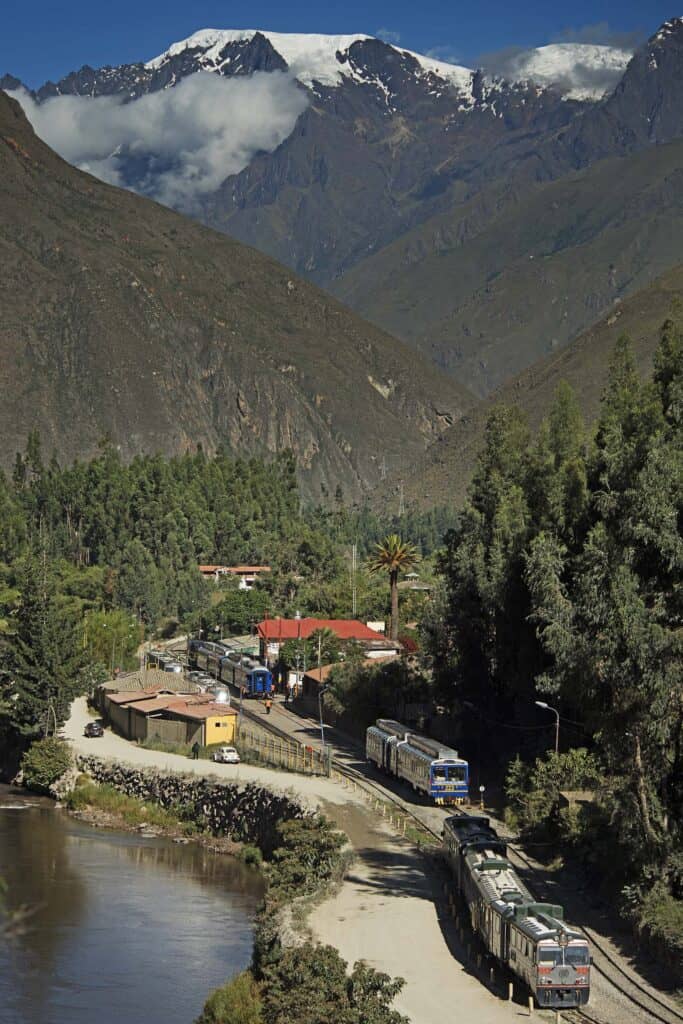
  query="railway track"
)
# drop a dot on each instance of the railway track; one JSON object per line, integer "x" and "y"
{"x": 644, "y": 1003}
{"x": 628, "y": 987}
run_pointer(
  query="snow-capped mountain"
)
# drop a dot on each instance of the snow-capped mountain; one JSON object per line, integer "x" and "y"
{"x": 579, "y": 70}
{"x": 311, "y": 58}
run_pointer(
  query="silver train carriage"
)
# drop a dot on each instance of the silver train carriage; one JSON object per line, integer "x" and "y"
{"x": 230, "y": 667}
{"x": 428, "y": 766}
{"x": 530, "y": 938}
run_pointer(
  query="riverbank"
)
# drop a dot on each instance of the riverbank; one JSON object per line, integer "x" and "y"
{"x": 386, "y": 910}
{"x": 110, "y": 933}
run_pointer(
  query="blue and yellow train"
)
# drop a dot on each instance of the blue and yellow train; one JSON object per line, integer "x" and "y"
{"x": 428, "y": 766}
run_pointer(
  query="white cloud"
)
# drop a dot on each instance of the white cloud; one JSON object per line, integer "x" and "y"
{"x": 387, "y": 35}
{"x": 174, "y": 145}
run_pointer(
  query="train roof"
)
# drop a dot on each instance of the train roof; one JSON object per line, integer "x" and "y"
{"x": 544, "y": 921}
{"x": 470, "y": 828}
{"x": 438, "y": 751}
{"x": 496, "y": 877}
{"x": 390, "y": 726}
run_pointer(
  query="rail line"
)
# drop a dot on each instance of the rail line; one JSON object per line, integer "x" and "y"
{"x": 663, "y": 1013}
{"x": 670, "y": 1014}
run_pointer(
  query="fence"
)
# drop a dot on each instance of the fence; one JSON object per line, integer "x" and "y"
{"x": 282, "y": 753}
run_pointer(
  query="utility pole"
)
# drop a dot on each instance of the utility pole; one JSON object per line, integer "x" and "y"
{"x": 401, "y": 500}
{"x": 354, "y": 552}
{"x": 383, "y": 468}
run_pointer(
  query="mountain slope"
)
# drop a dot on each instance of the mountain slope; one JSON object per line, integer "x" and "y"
{"x": 122, "y": 318}
{"x": 541, "y": 269}
{"x": 388, "y": 137}
{"x": 447, "y": 468}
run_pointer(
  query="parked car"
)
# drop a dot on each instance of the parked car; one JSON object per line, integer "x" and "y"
{"x": 93, "y": 729}
{"x": 226, "y": 755}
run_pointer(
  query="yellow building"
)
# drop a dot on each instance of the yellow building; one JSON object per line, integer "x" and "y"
{"x": 171, "y": 717}
{"x": 217, "y": 721}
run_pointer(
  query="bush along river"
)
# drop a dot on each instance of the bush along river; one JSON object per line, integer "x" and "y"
{"x": 123, "y": 928}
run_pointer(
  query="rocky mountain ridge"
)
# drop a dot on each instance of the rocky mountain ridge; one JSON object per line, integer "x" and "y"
{"x": 122, "y": 319}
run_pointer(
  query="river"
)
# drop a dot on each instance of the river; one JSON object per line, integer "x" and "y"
{"x": 124, "y": 930}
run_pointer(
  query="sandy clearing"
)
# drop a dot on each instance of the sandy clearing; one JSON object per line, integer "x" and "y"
{"x": 389, "y": 911}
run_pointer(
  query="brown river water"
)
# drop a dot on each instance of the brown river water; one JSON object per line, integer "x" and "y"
{"x": 124, "y": 930}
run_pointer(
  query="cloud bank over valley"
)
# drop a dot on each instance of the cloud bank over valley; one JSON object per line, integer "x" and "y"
{"x": 175, "y": 145}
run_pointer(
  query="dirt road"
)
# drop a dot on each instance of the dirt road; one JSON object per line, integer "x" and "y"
{"x": 388, "y": 911}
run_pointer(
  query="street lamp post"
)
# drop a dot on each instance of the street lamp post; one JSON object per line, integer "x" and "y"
{"x": 547, "y": 707}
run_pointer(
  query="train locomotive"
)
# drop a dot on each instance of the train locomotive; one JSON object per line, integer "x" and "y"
{"x": 246, "y": 675}
{"x": 530, "y": 938}
{"x": 428, "y": 766}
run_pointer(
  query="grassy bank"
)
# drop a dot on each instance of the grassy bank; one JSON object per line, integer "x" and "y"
{"x": 106, "y": 804}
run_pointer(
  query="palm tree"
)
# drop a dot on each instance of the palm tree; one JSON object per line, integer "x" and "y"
{"x": 393, "y": 555}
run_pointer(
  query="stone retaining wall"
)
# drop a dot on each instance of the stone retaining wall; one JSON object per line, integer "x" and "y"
{"x": 246, "y": 813}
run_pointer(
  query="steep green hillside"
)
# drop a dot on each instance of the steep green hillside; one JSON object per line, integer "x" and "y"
{"x": 123, "y": 319}
{"x": 446, "y": 471}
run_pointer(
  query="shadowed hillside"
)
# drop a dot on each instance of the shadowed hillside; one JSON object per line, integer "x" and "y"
{"x": 123, "y": 319}
{"x": 446, "y": 471}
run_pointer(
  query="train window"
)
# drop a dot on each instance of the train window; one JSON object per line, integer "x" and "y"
{"x": 549, "y": 956}
{"x": 577, "y": 955}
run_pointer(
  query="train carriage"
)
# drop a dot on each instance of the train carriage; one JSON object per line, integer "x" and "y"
{"x": 243, "y": 673}
{"x": 530, "y": 938}
{"x": 428, "y": 766}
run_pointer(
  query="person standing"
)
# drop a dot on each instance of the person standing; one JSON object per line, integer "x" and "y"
{"x": 269, "y": 705}
{"x": 195, "y": 751}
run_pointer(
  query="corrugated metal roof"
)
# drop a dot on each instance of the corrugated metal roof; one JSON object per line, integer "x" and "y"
{"x": 201, "y": 711}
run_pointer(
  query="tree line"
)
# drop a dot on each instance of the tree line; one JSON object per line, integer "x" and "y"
{"x": 562, "y": 581}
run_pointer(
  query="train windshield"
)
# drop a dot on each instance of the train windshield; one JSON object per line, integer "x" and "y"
{"x": 577, "y": 956}
{"x": 550, "y": 956}
{"x": 449, "y": 773}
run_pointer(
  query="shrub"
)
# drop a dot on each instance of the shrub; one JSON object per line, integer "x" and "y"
{"x": 659, "y": 917}
{"x": 309, "y": 984}
{"x": 533, "y": 790}
{"x": 252, "y": 855}
{"x": 237, "y": 1002}
{"x": 44, "y": 762}
{"x": 307, "y": 857}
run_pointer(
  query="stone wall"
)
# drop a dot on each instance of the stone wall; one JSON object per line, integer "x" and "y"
{"x": 246, "y": 813}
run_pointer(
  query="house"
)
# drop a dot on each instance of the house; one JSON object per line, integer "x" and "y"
{"x": 170, "y": 717}
{"x": 273, "y": 633}
{"x": 247, "y": 574}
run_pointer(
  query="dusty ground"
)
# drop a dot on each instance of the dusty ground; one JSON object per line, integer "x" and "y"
{"x": 311, "y": 790}
{"x": 390, "y": 911}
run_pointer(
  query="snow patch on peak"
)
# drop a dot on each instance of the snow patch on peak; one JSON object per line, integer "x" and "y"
{"x": 454, "y": 74}
{"x": 668, "y": 29}
{"x": 584, "y": 71}
{"x": 310, "y": 57}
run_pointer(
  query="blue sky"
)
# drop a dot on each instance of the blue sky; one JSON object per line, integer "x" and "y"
{"x": 42, "y": 40}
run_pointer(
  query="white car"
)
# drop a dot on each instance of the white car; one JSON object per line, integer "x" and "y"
{"x": 226, "y": 755}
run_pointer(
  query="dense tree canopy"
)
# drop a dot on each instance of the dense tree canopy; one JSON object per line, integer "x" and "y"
{"x": 563, "y": 580}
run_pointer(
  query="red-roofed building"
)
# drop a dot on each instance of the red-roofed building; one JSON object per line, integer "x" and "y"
{"x": 273, "y": 633}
